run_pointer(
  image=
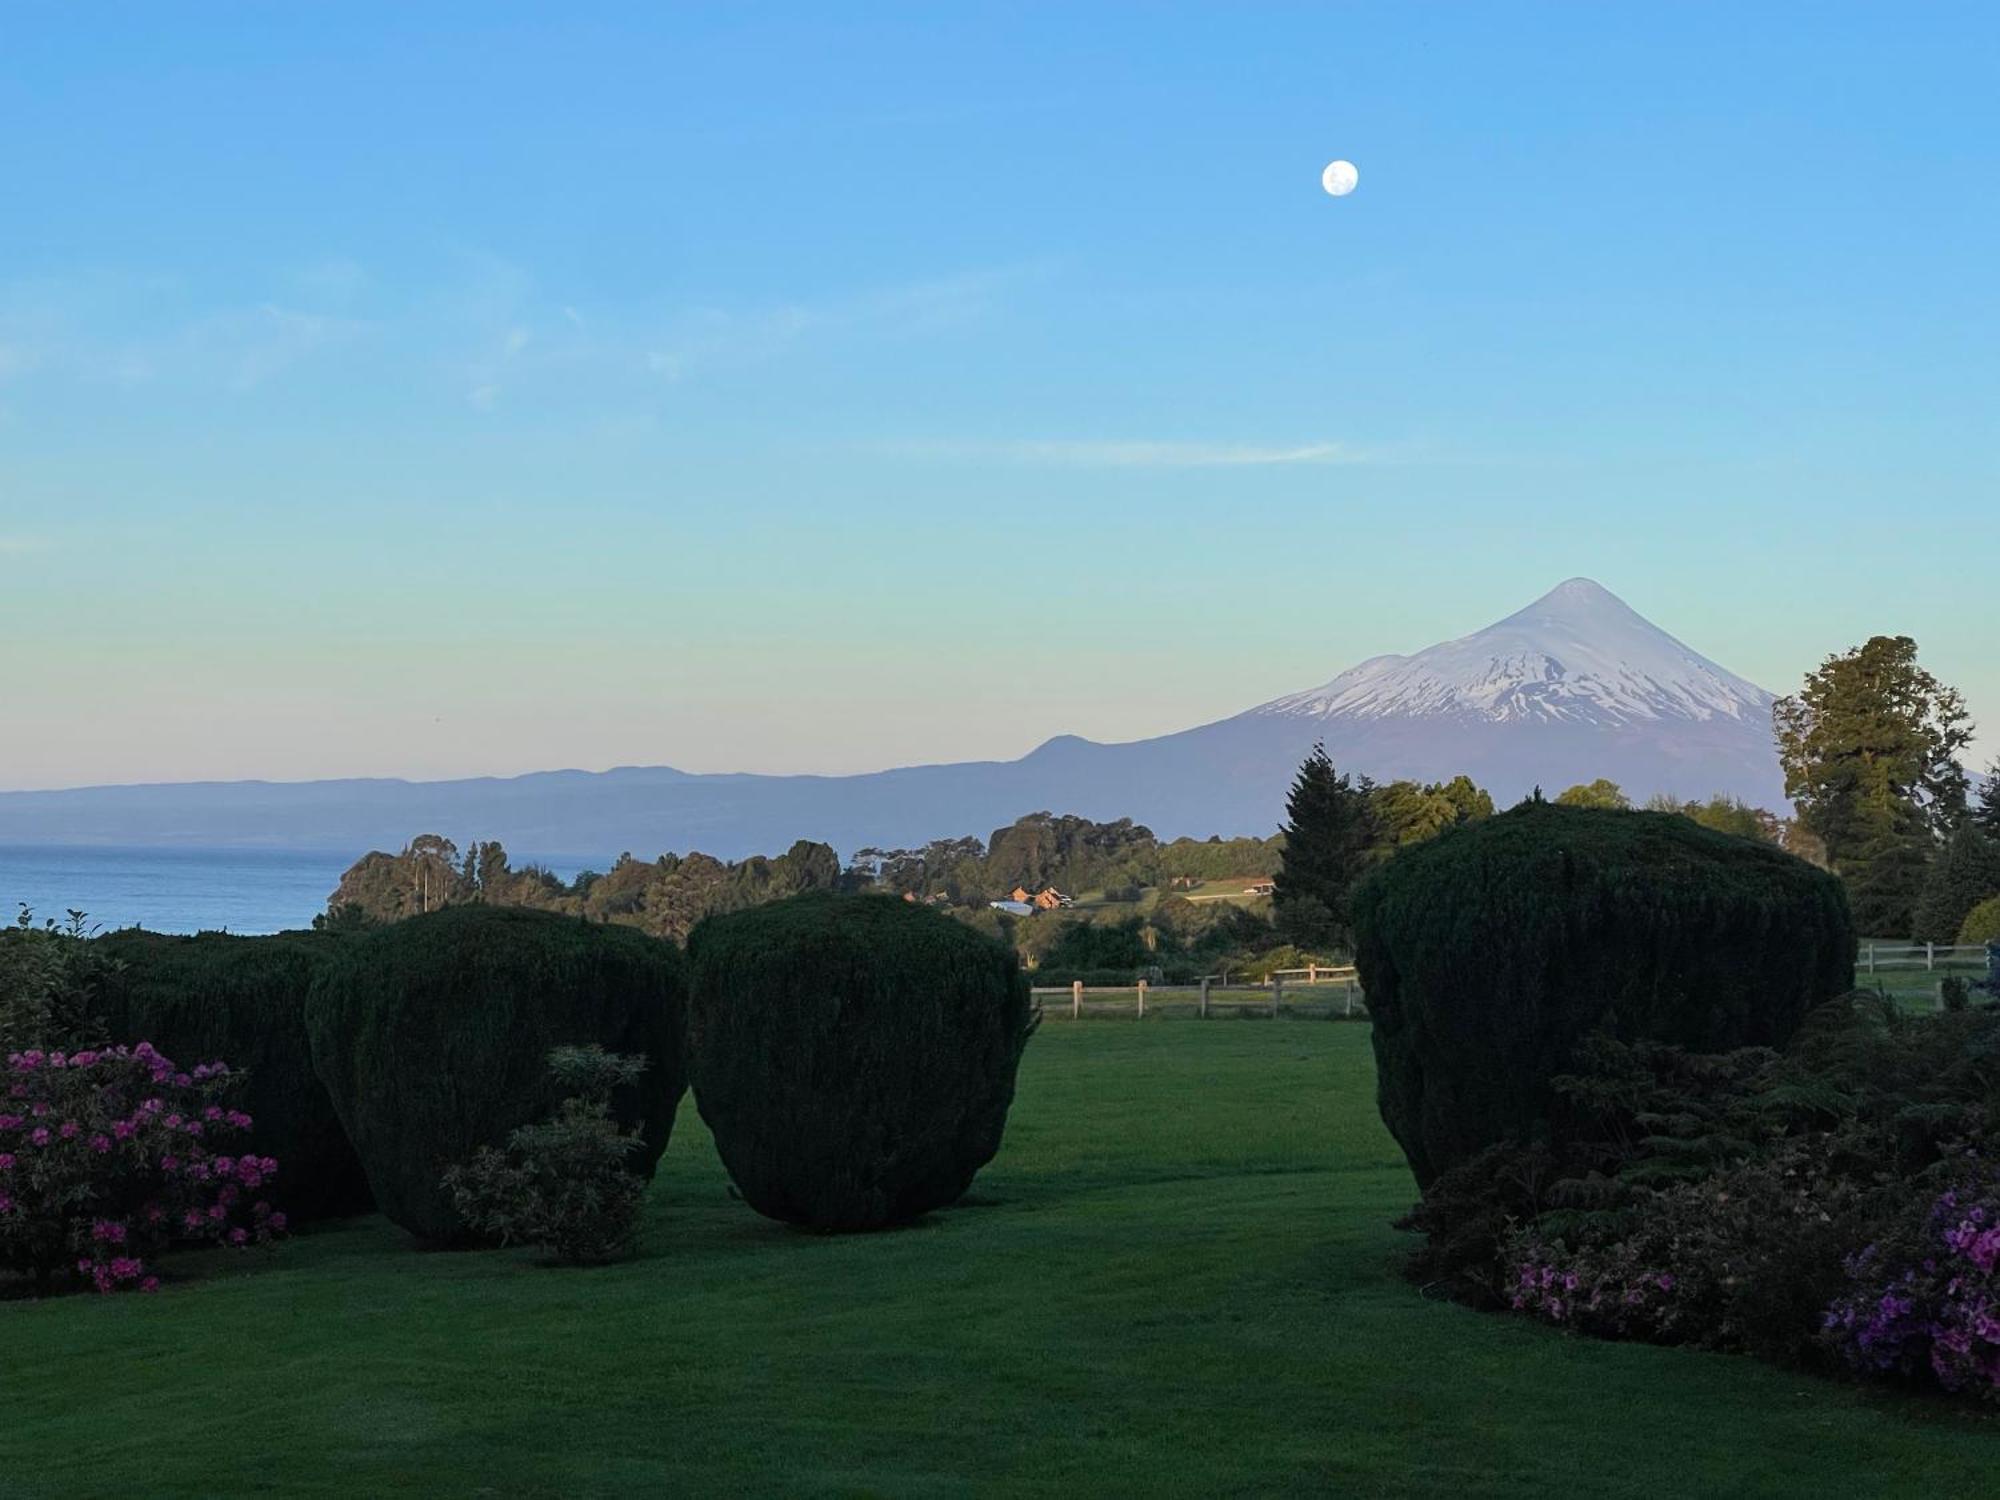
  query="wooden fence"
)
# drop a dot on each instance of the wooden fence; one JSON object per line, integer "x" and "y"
{"x": 1874, "y": 958}
{"x": 1325, "y": 994}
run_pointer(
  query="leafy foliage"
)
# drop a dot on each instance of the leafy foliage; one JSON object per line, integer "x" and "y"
{"x": 50, "y": 975}
{"x": 110, "y": 1155}
{"x": 1599, "y": 793}
{"x": 1725, "y": 814}
{"x": 664, "y": 897}
{"x": 1982, "y": 923}
{"x": 565, "y": 1183}
{"x": 244, "y": 998}
{"x": 853, "y": 1055}
{"x": 1490, "y": 954}
{"x": 432, "y": 1035}
{"x": 1408, "y": 812}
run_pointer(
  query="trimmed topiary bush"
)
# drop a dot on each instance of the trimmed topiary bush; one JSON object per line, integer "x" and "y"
{"x": 854, "y": 1056}
{"x": 432, "y": 1035}
{"x": 1488, "y": 953}
{"x": 242, "y": 999}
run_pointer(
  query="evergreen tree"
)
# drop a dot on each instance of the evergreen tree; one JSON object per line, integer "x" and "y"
{"x": 1986, "y": 807}
{"x": 1870, "y": 751}
{"x": 1885, "y": 877}
{"x": 1964, "y": 873}
{"x": 1330, "y": 832}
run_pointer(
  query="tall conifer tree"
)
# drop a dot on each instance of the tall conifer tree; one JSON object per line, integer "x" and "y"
{"x": 1330, "y": 829}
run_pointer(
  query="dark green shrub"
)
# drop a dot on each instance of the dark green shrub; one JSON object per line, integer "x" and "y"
{"x": 564, "y": 1183}
{"x": 243, "y": 999}
{"x": 433, "y": 1036}
{"x": 855, "y": 1057}
{"x": 1491, "y": 952}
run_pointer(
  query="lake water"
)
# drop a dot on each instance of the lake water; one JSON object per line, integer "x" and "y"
{"x": 172, "y": 890}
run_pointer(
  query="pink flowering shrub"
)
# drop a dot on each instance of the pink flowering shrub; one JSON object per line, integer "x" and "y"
{"x": 1744, "y": 1259}
{"x": 110, "y": 1155}
{"x": 1926, "y": 1298}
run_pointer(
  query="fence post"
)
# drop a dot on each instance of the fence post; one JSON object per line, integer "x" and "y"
{"x": 1076, "y": 999}
{"x": 1312, "y": 973}
{"x": 1142, "y": 999}
{"x": 1203, "y": 1013}
{"x": 1350, "y": 999}
{"x": 1871, "y": 960}
{"x": 1930, "y": 957}
{"x": 1277, "y": 994}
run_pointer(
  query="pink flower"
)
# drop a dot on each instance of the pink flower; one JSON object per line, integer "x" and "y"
{"x": 39, "y": 1137}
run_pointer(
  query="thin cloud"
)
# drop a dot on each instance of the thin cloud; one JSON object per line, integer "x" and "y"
{"x": 1139, "y": 453}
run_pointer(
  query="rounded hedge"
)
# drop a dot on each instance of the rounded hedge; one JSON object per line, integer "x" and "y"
{"x": 242, "y": 1000}
{"x": 1489, "y": 952}
{"x": 1982, "y": 923}
{"x": 432, "y": 1035}
{"x": 853, "y": 1055}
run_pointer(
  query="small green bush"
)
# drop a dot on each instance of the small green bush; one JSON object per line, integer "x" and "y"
{"x": 432, "y": 1036}
{"x": 1489, "y": 953}
{"x": 854, "y": 1057}
{"x": 565, "y": 1184}
{"x": 50, "y": 978}
{"x": 1982, "y": 923}
{"x": 243, "y": 999}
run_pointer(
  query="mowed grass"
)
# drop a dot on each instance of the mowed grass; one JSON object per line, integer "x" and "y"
{"x": 1178, "y": 1278}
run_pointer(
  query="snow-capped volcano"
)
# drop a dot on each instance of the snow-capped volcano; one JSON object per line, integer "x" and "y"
{"x": 1577, "y": 655}
{"x": 1572, "y": 688}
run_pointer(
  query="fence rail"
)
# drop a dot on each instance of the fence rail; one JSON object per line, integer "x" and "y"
{"x": 1337, "y": 996}
{"x": 1927, "y": 956}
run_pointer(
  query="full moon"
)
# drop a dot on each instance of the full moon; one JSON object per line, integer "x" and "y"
{"x": 1339, "y": 178}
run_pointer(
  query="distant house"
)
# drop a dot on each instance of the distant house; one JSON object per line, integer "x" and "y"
{"x": 1021, "y": 893}
{"x": 1048, "y": 898}
{"x": 1183, "y": 883}
{"x": 1261, "y": 888}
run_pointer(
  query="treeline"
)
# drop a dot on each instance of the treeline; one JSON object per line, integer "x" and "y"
{"x": 664, "y": 897}
{"x": 1073, "y": 854}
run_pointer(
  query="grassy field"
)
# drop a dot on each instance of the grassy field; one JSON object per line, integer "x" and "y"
{"x": 1178, "y": 1278}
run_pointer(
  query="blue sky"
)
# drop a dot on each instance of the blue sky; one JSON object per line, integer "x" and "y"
{"x": 460, "y": 389}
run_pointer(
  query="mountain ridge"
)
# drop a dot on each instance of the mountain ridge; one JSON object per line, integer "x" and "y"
{"x": 1574, "y": 686}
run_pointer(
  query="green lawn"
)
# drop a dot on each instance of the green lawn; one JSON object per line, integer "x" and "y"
{"x": 1177, "y": 1278}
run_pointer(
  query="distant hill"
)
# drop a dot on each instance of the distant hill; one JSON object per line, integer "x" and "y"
{"x": 1573, "y": 687}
